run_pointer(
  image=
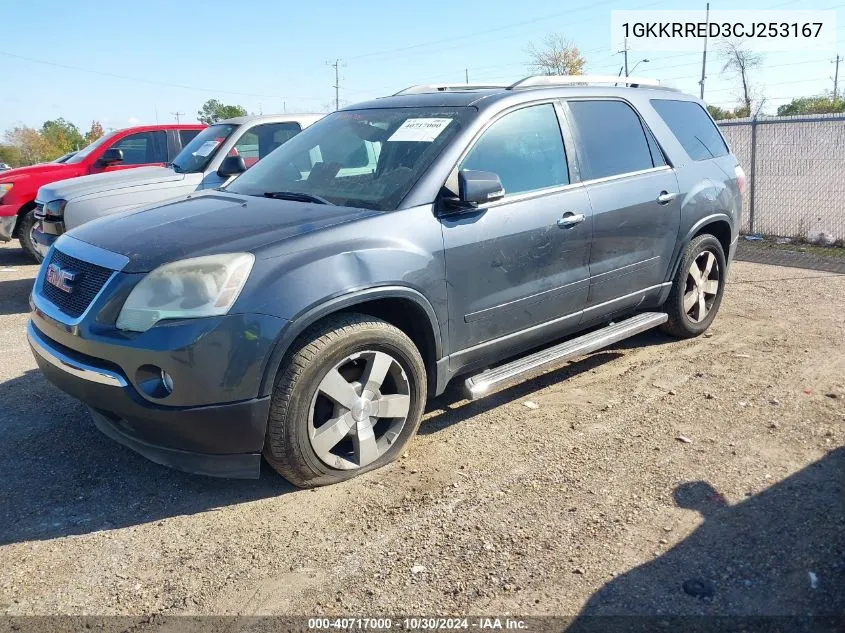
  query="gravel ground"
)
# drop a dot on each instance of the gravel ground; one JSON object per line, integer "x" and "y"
{"x": 646, "y": 475}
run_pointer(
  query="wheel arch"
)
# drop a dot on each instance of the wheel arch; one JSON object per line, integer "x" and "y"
{"x": 24, "y": 209}
{"x": 719, "y": 225}
{"x": 406, "y": 308}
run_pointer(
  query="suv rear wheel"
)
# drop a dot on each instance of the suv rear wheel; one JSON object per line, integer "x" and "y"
{"x": 348, "y": 398}
{"x": 697, "y": 289}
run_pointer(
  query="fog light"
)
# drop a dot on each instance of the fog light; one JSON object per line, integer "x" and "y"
{"x": 167, "y": 381}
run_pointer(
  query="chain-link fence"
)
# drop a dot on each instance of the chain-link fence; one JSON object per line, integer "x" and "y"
{"x": 796, "y": 175}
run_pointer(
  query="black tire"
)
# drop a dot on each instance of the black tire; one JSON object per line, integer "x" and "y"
{"x": 288, "y": 446}
{"x": 684, "y": 323}
{"x": 26, "y": 222}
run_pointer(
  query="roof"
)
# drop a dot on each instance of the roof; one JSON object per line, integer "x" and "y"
{"x": 274, "y": 118}
{"x": 459, "y": 95}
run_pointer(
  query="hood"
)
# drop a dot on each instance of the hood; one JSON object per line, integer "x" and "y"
{"x": 47, "y": 169}
{"x": 73, "y": 188}
{"x": 207, "y": 224}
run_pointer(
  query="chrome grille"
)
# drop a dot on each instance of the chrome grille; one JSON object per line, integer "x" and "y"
{"x": 89, "y": 281}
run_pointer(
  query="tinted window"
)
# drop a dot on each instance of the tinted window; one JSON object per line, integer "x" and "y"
{"x": 524, "y": 148}
{"x": 143, "y": 148}
{"x": 611, "y": 139}
{"x": 187, "y": 136}
{"x": 356, "y": 158}
{"x": 693, "y": 128}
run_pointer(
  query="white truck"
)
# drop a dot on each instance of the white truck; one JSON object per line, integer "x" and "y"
{"x": 213, "y": 158}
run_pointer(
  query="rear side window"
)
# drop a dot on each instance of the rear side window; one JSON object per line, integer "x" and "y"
{"x": 524, "y": 148}
{"x": 611, "y": 139}
{"x": 187, "y": 136}
{"x": 693, "y": 128}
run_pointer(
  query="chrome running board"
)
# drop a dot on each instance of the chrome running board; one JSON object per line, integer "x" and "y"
{"x": 525, "y": 367}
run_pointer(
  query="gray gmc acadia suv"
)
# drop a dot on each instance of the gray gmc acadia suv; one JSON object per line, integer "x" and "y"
{"x": 307, "y": 310}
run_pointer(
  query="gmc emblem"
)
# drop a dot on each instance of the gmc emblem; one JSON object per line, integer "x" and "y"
{"x": 60, "y": 278}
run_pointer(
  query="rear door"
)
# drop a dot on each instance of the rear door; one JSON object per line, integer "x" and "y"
{"x": 522, "y": 261}
{"x": 634, "y": 197}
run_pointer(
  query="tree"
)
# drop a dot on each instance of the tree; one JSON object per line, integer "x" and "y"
{"x": 94, "y": 133}
{"x": 213, "y": 111}
{"x": 62, "y": 135}
{"x": 10, "y": 155}
{"x": 741, "y": 62}
{"x": 31, "y": 145}
{"x": 556, "y": 56}
{"x": 812, "y": 105}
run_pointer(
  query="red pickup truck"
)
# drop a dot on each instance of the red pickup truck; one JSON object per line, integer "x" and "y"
{"x": 123, "y": 149}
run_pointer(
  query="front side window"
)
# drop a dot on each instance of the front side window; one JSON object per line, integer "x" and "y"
{"x": 263, "y": 139}
{"x": 692, "y": 127}
{"x": 356, "y": 158}
{"x": 186, "y": 136}
{"x": 143, "y": 148}
{"x": 611, "y": 139}
{"x": 524, "y": 148}
{"x": 85, "y": 151}
{"x": 196, "y": 155}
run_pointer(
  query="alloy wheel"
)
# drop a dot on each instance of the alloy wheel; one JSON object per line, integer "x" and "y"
{"x": 359, "y": 410}
{"x": 702, "y": 286}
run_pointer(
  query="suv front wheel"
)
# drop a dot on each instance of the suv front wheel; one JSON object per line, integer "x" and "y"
{"x": 697, "y": 289}
{"x": 349, "y": 396}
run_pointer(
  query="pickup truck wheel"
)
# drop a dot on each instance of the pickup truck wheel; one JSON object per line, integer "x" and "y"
{"x": 349, "y": 396}
{"x": 697, "y": 289}
{"x": 26, "y": 227}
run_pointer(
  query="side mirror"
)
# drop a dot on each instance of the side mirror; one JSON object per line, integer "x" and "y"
{"x": 231, "y": 166}
{"x": 111, "y": 156}
{"x": 479, "y": 187}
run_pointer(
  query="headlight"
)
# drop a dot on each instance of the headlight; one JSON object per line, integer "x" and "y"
{"x": 55, "y": 208}
{"x": 4, "y": 189}
{"x": 190, "y": 288}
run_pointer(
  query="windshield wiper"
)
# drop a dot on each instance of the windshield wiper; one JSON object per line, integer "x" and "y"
{"x": 296, "y": 196}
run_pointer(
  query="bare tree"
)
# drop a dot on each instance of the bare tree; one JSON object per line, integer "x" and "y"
{"x": 556, "y": 56}
{"x": 741, "y": 62}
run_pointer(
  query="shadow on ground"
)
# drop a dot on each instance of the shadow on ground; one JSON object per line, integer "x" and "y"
{"x": 11, "y": 256}
{"x": 778, "y": 553}
{"x": 14, "y": 295}
{"x": 60, "y": 476}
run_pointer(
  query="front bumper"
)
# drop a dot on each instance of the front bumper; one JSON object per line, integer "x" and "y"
{"x": 43, "y": 241}
{"x": 223, "y": 440}
{"x": 7, "y": 222}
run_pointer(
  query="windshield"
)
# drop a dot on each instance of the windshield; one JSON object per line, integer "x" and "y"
{"x": 357, "y": 158}
{"x": 81, "y": 154}
{"x": 196, "y": 155}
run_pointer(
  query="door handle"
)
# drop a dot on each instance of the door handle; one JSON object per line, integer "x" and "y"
{"x": 665, "y": 197}
{"x": 570, "y": 219}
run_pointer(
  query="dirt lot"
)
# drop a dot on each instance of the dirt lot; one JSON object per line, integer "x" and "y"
{"x": 716, "y": 462}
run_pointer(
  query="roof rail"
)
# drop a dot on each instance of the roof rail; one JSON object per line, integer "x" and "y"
{"x": 538, "y": 81}
{"x": 423, "y": 88}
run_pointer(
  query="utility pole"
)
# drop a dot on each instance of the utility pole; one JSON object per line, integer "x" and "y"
{"x": 336, "y": 86}
{"x": 466, "y": 74}
{"x": 836, "y": 77}
{"x": 177, "y": 114}
{"x": 704, "y": 54}
{"x": 624, "y": 51}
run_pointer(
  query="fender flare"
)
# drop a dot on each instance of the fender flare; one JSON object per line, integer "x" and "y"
{"x": 312, "y": 314}
{"x": 695, "y": 228}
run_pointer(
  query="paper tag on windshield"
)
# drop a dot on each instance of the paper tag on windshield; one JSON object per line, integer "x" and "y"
{"x": 420, "y": 130}
{"x": 206, "y": 148}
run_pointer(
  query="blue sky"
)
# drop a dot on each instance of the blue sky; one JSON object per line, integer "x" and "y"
{"x": 128, "y": 62}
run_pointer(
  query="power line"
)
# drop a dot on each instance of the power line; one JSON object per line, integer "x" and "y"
{"x": 145, "y": 81}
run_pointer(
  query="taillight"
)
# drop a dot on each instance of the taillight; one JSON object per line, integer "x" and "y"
{"x": 740, "y": 178}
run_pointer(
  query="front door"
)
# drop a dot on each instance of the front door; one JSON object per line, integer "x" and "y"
{"x": 635, "y": 201}
{"x": 139, "y": 149}
{"x": 517, "y": 269}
